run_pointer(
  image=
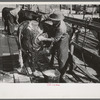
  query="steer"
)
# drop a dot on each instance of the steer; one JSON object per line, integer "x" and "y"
{"x": 31, "y": 44}
{"x": 10, "y": 20}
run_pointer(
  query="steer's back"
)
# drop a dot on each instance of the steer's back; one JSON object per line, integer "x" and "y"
{"x": 6, "y": 11}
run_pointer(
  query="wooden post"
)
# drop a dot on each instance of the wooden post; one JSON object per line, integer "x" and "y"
{"x": 84, "y": 11}
{"x": 45, "y": 8}
{"x": 70, "y": 9}
{"x": 60, "y": 7}
{"x": 72, "y": 47}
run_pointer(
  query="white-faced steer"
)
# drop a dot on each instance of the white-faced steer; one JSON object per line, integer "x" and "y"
{"x": 31, "y": 43}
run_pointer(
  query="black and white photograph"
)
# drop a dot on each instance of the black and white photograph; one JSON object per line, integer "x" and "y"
{"x": 49, "y": 43}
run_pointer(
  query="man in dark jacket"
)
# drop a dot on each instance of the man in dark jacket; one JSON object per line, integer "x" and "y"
{"x": 59, "y": 31}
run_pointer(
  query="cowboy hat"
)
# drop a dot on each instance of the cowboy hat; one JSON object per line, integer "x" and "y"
{"x": 56, "y": 16}
{"x": 49, "y": 22}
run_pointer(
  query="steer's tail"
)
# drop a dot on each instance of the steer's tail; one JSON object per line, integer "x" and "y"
{"x": 19, "y": 46}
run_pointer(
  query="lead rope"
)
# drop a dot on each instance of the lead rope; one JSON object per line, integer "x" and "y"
{"x": 83, "y": 44}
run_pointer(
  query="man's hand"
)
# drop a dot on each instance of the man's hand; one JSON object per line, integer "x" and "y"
{"x": 52, "y": 39}
{"x": 42, "y": 38}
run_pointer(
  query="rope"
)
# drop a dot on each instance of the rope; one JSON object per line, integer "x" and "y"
{"x": 84, "y": 42}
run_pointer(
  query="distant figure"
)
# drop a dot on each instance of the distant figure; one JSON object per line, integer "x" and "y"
{"x": 14, "y": 12}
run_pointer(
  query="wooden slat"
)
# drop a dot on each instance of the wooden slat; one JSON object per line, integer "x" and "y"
{"x": 87, "y": 41}
{"x": 89, "y": 37}
{"x": 13, "y": 46}
{"x": 13, "y": 50}
{"x": 85, "y": 72}
{"x": 87, "y": 44}
{"x": 4, "y": 52}
{"x": 5, "y": 47}
{"x": 8, "y": 53}
{"x": 6, "y": 59}
{"x": 89, "y": 52}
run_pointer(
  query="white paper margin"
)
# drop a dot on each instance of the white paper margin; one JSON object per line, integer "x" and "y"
{"x": 53, "y": 90}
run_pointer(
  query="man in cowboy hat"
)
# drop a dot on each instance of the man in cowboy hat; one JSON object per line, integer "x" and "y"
{"x": 58, "y": 30}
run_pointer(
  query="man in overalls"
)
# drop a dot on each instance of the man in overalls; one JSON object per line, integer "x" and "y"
{"x": 59, "y": 32}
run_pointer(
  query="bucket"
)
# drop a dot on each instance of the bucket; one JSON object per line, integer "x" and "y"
{"x": 51, "y": 76}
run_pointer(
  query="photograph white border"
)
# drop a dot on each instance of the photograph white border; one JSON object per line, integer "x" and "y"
{"x": 52, "y": 90}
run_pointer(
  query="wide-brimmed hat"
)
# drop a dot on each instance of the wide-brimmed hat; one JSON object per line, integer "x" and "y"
{"x": 48, "y": 22}
{"x": 56, "y": 16}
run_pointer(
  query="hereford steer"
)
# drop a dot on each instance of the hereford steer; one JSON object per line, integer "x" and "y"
{"x": 31, "y": 38}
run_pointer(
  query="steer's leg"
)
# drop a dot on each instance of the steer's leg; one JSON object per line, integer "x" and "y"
{"x": 5, "y": 26}
{"x": 17, "y": 17}
{"x": 22, "y": 69}
{"x": 20, "y": 59}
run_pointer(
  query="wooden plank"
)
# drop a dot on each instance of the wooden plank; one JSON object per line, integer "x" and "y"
{"x": 13, "y": 51}
{"x": 89, "y": 37}
{"x": 88, "y": 40}
{"x": 13, "y": 45}
{"x": 93, "y": 58}
{"x": 5, "y": 47}
{"x": 87, "y": 44}
{"x": 69, "y": 78}
{"x": 83, "y": 23}
{"x": 85, "y": 72}
{"x": 9, "y": 53}
{"x": 86, "y": 50}
{"x": 8, "y": 79}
